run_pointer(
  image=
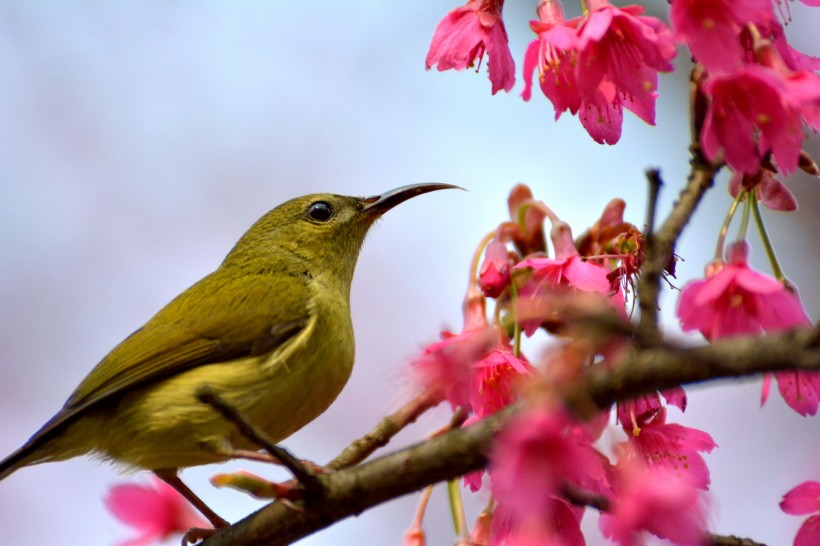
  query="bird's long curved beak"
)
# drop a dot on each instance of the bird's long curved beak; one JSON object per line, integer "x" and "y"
{"x": 379, "y": 204}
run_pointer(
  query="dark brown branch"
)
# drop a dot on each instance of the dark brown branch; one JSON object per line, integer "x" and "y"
{"x": 353, "y": 490}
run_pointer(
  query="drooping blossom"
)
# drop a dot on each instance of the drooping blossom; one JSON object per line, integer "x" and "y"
{"x": 559, "y": 526}
{"x": 443, "y": 368}
{"x": 494, "y": 276}
{"x": 598, "y": 64}
{"x": 494, "y": 380}
{"x": 655, "y": 500}
{"x": 800, "y": 390}
{"x": 738, "y": 301}
{"x": 673, "y": 447}
{"x": 533, "y": 458}
{"x": 755, "y": 111}
{"x": 494, "y": 384}
{"x": 769, "y": 190}
{"x": 568, "y": 271}
{"x": 632, "y": 414}
{"x": 805, "y": 499}
{"x": 466, "y": 33}
{"x": 712, "y": 28}
{"x": 155, "y": 510}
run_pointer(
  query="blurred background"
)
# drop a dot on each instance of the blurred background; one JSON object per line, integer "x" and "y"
{"x": 138, "y": 140}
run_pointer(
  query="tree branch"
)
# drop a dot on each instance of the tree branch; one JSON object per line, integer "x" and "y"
{"x": 353, "y": 490}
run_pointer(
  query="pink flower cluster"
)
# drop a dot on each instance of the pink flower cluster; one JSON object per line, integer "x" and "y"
{"x": 545, "y": 455}
{"x": 805, "y": 499}
{"x": 761, "y": 92}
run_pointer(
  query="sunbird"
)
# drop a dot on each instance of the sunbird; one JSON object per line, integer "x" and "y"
{"x": 269, "y": 332}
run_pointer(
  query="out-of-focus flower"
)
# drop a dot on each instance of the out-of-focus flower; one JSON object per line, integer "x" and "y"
{"x": 769, "y": 190}
{"x": 738, "y": 300}
{"x": 414, "y": 537}
{"x": 560, "y": 526}
{"x": 712, "y": 28}
{"x": 465, "y": 33}
{"x": 535, "y": 455}
{"x": 656, "y": 500}
{"x": 755, "y": 111}
{"x": 805, "y": 499}
{"x": 154, "y": 510}
{"x": 673, "y": 447}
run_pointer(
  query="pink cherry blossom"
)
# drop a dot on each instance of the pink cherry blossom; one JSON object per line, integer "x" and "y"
{"x": 599, "y": 64}
{"x": 712, "y": 28}
{"x": 634, "y": 413}
{"x": 755, "y": 111}
{"x": 535, "y": 455}
{"x": 673, "y": 447}
{"x": 494, "y": 276}
{"x": 494, "y": 379}
{"x": 805, "y": 499}
{"x": 738, "y": 300}
{"x": 465, "y": 33}
{"x": 768, "y": 189}
{"x": 800, "y": 390}
{"x": 567, "y": 271}
{"x": 656, "y": 500}
{"x": 155, "y": 510}
{"x": 561, "y": 526}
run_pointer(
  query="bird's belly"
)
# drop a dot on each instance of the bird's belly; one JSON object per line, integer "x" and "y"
{"x": 166, "y": 426}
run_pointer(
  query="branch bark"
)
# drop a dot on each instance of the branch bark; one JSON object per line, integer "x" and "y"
{"x": 353, "y": 490}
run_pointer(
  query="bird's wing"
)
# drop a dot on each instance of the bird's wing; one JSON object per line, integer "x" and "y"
{"x": 220, "y": 318}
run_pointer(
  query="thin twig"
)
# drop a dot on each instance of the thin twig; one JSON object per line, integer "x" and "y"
{"x": 313, "y": 486}
{"x": 382, "y": 433}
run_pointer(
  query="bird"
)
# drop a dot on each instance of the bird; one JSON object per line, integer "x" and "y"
{"x": 269, "y": 332}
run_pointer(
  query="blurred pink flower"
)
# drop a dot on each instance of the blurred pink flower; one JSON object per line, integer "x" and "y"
{"x": 535, "y": 455}
{"x": 560, "y": 526}
{"x": 805, "y": 499}
{"x": 465, "y": 33}
{"x": 768, "y": 189}
{"x": 755, "y": 111}
{"x": 738, "y": 300}
{"x": 155, "y": 510}
{"x": 444, "y": 368}
{"x": 673, "y": 447}
{"x": 711, "y": 28}
{"x": 656, "y": 500}
{"x": 494, "y": 276}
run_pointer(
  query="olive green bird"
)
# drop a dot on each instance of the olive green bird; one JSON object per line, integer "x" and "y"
{"x": 269, "y": 332}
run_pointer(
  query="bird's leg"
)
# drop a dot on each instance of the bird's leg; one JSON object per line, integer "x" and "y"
{"x": 169, "y": 476}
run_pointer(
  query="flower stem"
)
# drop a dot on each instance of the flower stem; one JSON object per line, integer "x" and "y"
{"x": 457, "y": 507}
{"x": 744, "y": 220}
{"x": 764, "y": 237}
{"x": 516, "y": 325}
{"x": 725, "y": 227}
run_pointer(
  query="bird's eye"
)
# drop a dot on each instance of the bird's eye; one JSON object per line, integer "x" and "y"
{"x": 321, "y": 211}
